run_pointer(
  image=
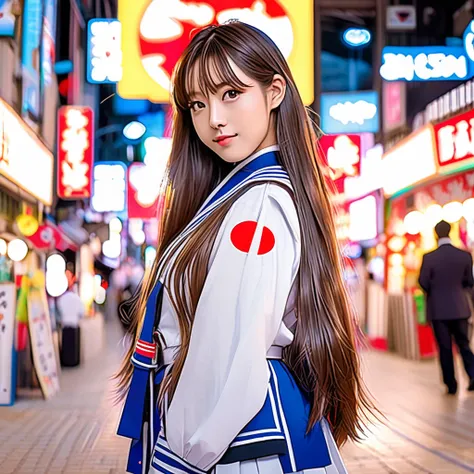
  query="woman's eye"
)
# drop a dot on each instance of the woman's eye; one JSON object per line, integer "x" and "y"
{"x": 195, "y": 106}
{"x": 232, "y": 94}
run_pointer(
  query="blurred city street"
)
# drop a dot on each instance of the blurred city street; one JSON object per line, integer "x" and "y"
{"x": 426, "y": 431}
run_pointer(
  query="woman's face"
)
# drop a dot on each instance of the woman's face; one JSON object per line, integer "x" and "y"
{"x": 236, "y": 123}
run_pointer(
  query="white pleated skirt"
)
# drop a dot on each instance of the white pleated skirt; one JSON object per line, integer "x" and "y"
{"x": 272, "y": 465}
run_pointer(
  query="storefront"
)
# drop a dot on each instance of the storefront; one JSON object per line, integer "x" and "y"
{"x": 428, "y": 176}
{"x": 26, "y": 174}
{"x": 361, "y": 232}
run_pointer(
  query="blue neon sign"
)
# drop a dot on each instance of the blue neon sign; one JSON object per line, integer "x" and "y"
{"x": 430, "y": 63}
{"x": 32, "y": 24}
{"x": 350, "y": 112}
{"x": 357, "y": 37}
{"x": 104, "y": 51}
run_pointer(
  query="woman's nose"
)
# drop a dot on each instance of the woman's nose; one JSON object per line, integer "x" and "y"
{"x": 217, "y": 117}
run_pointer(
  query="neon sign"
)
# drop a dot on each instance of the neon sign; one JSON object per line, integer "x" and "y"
{"x": 455, "y": 140}
{"x": 109, "y": 187}
{"x": 370, "y": 178}
{"x": 104, "y": 51}
{"x": 342, "y": 154}
{"x": 75, "y": 152}
{"x": 410, "y": 162}
{"x": 357, "y": 37}
{"x": 363, "y": 219}
{"x": 430, "y": 63}
{"x": 155, "y": 33}
{"x": 144, "y": 179}
{"x": 350, "y": 112}
{"x": 23, "y": 158}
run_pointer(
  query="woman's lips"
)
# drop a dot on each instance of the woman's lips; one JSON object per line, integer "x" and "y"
{"x": 224, "y": 140}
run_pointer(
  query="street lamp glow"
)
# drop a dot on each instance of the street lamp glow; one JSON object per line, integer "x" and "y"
{"x": 17, "y": 250}
{"x": 134, "y": 130}
{"x": 357, "y": 37}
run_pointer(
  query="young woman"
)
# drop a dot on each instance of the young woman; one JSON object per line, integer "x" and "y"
{"x": 244, "y": 359}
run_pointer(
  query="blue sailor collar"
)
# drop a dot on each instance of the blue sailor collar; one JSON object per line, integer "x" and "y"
{"x": 265, "y": 158}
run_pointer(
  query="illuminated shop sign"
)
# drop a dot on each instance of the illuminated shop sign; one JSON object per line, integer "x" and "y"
{"x": 109, "y": 190}
{"x": 155, "y": 32}
{"x": 357, "y": 37}
{"x": 401, "y": 17}
{"x": 104, "y": 51}
{"x": 363, "y": 219}
{"x": 455, "y": 141}
{"x": 75, "y": 152}
{"x": 48, "y": 41}
{"x": 429, "y": 63}
{"x": 350, "y": 112}
{"x": 32, "y": 25}
{"x": 144, "y": 179}
{"x": 24, "y": 160}
{"x": 370, "y": 178}
{"x": 342, "y": 155}
{"x": 410, "y": 162}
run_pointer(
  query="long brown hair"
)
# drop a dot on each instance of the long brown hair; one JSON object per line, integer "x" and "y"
{"x": 323, "y": 355}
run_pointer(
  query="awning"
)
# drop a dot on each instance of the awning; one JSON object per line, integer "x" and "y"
{"x": 49, "y": 236}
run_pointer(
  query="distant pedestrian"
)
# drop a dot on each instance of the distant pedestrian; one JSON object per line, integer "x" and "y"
{"x": 446, "y": 276}
{"x": 71, "y": 310}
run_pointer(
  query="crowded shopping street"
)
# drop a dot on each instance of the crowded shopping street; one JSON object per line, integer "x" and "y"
{"x": 236, "y": 236}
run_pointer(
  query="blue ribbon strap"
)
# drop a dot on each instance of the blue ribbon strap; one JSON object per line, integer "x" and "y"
{"x": 143, "y": 361}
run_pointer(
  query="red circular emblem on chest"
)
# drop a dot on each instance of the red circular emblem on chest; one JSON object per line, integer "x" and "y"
{"x": 242, "y": 236}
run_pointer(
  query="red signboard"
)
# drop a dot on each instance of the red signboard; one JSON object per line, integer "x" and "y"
{"x": 75, "y": 152}
{"x": 142, "y": 195}
{"x": 455, "y": 140}
{"x": 341, "y": 154}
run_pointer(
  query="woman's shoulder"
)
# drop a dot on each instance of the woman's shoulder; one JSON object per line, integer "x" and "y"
{"x": 279, "y": 193}
{"x": 279, "y": 197}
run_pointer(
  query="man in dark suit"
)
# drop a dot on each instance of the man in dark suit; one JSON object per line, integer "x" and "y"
{"x": 446, "y": 274}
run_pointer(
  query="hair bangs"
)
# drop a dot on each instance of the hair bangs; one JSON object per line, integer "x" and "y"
{"x": 208, "y": 68}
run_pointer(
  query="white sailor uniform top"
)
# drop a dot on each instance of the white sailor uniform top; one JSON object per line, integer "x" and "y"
{"x": 235, "y": 401}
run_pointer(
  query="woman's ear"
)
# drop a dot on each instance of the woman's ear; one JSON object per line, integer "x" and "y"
{"x": 277, "y": 91}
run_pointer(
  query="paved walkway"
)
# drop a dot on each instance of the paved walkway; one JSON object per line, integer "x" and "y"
{"x": 426, "y": 432}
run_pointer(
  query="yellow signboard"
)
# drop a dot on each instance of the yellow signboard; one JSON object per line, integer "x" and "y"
{"x": 155, "y": 32}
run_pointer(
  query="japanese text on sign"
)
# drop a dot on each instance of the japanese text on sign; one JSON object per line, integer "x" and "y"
{"x": 455, "y": 139}
{"x": 75, "y": 152}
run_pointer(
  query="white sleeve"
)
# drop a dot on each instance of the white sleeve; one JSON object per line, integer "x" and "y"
{"x": 225, "y": 377}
